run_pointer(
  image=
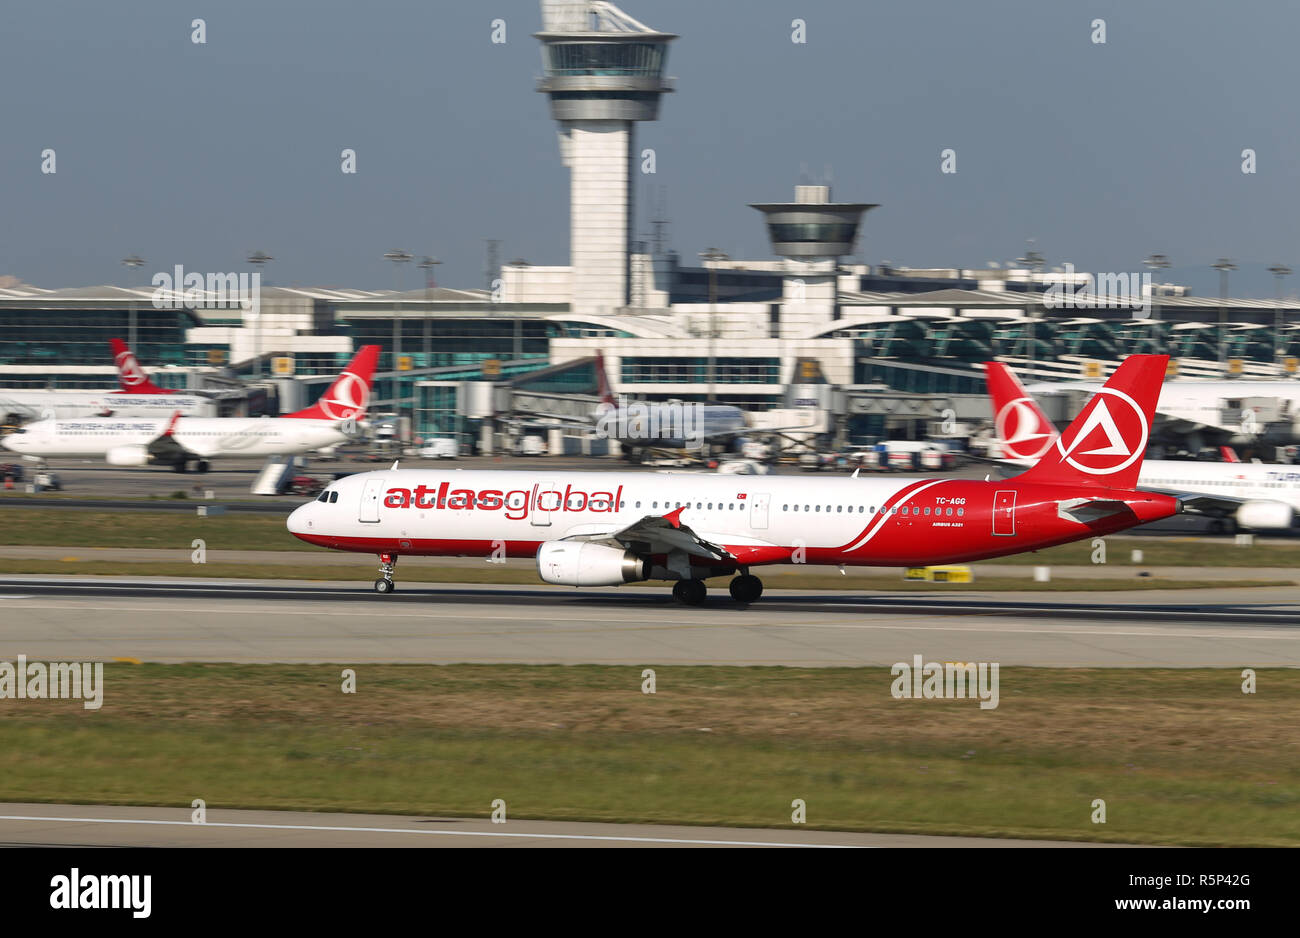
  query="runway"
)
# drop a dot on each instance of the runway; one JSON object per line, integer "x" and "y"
{"x": 113, "y": 826}
{"x": 172, "y": 620}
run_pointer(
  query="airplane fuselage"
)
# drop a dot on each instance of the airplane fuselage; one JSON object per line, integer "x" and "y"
{"x": 773, "y": 519}
{"x": 204, "y": 437}
{"x": 36, "y": 405}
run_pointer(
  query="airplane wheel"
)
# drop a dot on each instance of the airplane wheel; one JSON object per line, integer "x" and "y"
{"x": 746, "y": 588}
{"x": 690, "y": 592}
{"x": 384, "y": 586}
{"x": 202, "y": 465}
{"x": 179, "y": 467}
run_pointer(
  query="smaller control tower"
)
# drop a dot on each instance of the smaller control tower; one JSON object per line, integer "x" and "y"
{"x": 812, "y": 233}
{"x": 602, "y": 71}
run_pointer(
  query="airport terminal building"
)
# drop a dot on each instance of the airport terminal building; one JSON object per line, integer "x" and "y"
{"x": 874, "y": 351}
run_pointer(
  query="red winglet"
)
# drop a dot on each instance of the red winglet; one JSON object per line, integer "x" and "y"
{"x": 602, "y": 381}
{"x": 1229, "y": 454}
{"x": 171, "y": 424}
{"x": 674, "y": 517}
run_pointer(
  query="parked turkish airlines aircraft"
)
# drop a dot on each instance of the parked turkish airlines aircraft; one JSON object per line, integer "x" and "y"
{"x": 608, "y": 528}
{"x": 179, "y": 441}
{"x": 1254, "y": 495}
{"x": 138, "y": 397}
{"x": 1230, "y": 409}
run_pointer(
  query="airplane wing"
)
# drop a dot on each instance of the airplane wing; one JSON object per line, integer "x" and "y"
{"x": 660, "y": 534}
{"x": 164, "y": 447}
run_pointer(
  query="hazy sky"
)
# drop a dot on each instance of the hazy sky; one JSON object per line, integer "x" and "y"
{"x": 198, "y": 154}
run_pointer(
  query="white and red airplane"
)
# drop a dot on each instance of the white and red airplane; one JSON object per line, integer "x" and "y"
{"x": 1258, "y": 496}
{"x": 137, "y": 397}
{"x": 177, "y": 441}
{"x": 609, "y": 528}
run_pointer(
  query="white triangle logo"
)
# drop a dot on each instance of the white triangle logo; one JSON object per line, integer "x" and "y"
{"x": 1101, "y": 417}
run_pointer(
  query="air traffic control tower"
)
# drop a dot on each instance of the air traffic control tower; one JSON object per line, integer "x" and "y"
{"x": 603, "y": 71}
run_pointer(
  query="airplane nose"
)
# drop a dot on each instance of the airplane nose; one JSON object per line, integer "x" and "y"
{"x": 297, "y": 522}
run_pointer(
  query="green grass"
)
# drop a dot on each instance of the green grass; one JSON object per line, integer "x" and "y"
{"x": 417, "y": 570}
{"x": 1180, "y": 756}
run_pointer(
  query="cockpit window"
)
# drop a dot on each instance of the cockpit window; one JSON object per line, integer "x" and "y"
{"x": 334, "y": 497}
{"x": 323, "y": 497}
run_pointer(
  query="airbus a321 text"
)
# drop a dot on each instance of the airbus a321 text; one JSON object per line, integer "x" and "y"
{"x": 610, "y": 528}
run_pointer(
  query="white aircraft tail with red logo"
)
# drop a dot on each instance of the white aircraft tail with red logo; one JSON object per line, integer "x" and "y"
{"x": 1105, "y": 444}
{"x": 130, "y": 376}
{"x": 349, "y": 396}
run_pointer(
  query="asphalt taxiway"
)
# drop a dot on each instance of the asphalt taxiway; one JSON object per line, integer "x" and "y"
{"x": 173, "y": 620}
{"x": 123, "y": 826}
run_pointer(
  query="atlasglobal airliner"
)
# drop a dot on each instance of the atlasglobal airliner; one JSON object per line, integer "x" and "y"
{"x": 610, "y": 528}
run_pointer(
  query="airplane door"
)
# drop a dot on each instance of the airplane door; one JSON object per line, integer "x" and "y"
{"x": 1004, "y": 514}
{"x": 370, "y": 496}
{"x": 545, "y": 501}
{"x": 758, "y": 510}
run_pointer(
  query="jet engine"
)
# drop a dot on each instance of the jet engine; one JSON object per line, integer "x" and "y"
{"x": 1262, "y": 515}
{"x": 582, "y": 563}
{"x": 134, "y": 455}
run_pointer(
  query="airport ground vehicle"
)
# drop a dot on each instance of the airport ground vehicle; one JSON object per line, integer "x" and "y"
{"x": 609, "y": 528}
{"x": 439, "y": 448}
{"x": 305, "y": 485}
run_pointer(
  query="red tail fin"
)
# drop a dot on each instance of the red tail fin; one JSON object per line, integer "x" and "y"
{"x": 1229, "y": 454}
{"x": 130, "y": 377}
{"x": 1105, "y": 444}
{"x": 602, "y": 381}
{"x": 349, "y": 395}
{"x": 1024, "y": 432}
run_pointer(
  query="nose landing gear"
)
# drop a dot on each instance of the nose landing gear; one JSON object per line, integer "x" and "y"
{"x": 385, "y": 583}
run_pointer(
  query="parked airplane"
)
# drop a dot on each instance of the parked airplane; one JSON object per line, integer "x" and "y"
{"x": 138, "y": 397}
{"x": 1241, "y": 411}
{"x": 1253, "y": 495}
{"x": 179, "y": 441}
{"x": 644, "y": 428}
{"x": 609, "y": 528}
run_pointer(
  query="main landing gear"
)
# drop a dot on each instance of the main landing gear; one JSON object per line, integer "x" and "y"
{"x": 745, "y": 589}
{"x": 385, "y": 582}
{"x": 690, "y": 592}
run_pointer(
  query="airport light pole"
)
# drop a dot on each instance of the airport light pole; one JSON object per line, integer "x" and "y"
{"x": 133, "y": 262}
{"x": 711, "y": 257}
{"x": 259, "y": 259}
{"x": 1032, "y": 261}
{"x": 398, "y": 258}
{"x": 427, "y": 264}
{"x": 1278, "y": 271}
{"x": 1154, "y": 263}
{"x": 1223, "y": 266}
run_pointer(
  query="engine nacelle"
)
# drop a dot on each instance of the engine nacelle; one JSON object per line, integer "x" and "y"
{"x": 582, "y": 563}
{"x": 134, "y": 455}
{"x": 1262, "y": 515}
